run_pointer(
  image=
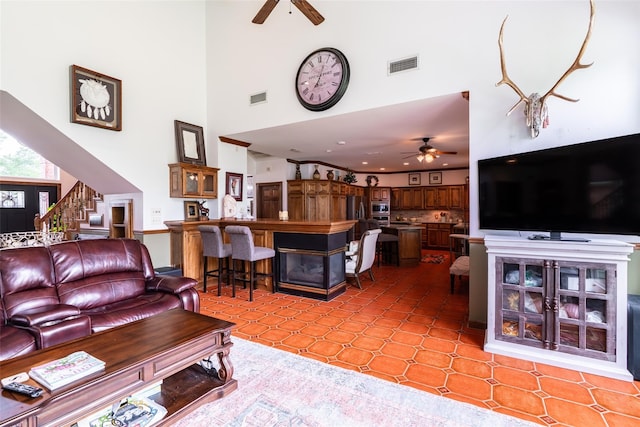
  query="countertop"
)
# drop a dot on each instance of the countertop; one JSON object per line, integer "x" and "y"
{"x": 424, "y": 222}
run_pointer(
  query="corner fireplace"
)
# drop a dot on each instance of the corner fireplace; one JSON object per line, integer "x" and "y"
{"x": 310, "y": 265}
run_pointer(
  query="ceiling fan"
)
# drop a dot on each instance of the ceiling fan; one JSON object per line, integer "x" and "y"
{"x": 303, "y": 5}
{"x": 427, "y": 152}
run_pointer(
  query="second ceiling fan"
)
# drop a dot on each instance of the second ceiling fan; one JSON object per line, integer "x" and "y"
{"x": 428, "y": 153}
{"x": 303, "y": 5}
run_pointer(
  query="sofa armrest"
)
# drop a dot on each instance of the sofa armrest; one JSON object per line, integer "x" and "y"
{"x": 45, "y": 314}
{"x": 170, "y": 284}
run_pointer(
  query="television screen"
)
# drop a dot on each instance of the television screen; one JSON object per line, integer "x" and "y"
{"x": 591, "y": 187}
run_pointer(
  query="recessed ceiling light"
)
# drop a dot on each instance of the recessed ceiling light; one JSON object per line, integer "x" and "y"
{"x": 445, "y": 164}
{"x": 341, "y": 142}
{"x": 381, "y": 169}
{"x": 406, "y": 163}
{"x": 329, "y": 150}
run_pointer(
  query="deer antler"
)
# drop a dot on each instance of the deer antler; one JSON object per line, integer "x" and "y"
{"x": 505, "y": 77}
{"x": 576, "y": 64}
{"x": 535, "y": 105}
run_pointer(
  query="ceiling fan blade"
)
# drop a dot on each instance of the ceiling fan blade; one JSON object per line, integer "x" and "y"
{"x": 264, "y": 11}
{"x": 446, "y": 152}
{"x": 308, "y": 11}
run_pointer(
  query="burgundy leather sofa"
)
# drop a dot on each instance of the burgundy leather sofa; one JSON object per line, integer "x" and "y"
{"x": 68, "y": 290}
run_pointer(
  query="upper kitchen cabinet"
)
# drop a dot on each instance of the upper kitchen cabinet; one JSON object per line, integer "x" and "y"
{"x": 187, "y": 180}
{"x": 380, "y": 193}
{"x": 457, "y": 196}
{"x": 436, "y": 198}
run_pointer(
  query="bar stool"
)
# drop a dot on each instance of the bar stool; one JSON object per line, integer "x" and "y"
{"x": 387, "y": 246}
{"x": 214, "y": 247}
{"x": 243, "y": 249}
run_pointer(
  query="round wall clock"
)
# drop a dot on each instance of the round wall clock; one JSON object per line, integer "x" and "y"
{"x": 322, "y": 79}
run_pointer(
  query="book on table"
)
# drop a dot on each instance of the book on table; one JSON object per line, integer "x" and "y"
{"x": 66, "y": 370}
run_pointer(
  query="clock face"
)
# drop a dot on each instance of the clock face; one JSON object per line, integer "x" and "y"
{"x": 322, "y": 79}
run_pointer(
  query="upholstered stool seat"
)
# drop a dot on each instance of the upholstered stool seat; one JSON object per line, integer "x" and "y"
{"x": 213, "y": 246}
{"x": 460, "y": 267}
{"x": 243, "y": 249}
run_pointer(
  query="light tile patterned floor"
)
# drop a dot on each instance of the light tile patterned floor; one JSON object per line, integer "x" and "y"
{"x": 407, "y": 328}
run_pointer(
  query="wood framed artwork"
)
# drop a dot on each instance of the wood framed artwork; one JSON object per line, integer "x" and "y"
{"x": 191, "y": 212}
{"x": 96, "y": 99}
{"x": 435, "y": 177}
{"x": 414, "y": 178}
{"x": 234, "y": 185}
{"x": 190, "y": 143}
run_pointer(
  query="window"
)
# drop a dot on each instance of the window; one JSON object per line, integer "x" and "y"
{"x": 19, "y": 161}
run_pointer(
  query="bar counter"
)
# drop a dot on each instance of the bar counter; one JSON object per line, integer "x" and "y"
{"x": 186, "y": 243}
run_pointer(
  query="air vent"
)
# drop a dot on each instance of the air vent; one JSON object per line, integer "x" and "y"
{"x": 258, "y": 98}
{"x": 400, "y": 65}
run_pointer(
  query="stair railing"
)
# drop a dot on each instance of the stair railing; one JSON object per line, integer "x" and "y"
{"x": 71, "y": 210}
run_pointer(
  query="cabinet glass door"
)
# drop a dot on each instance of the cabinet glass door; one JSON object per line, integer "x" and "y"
{"x": 520, "y": 293}
{"x": 586, "y": 318}
{"x": 190, "y": 183}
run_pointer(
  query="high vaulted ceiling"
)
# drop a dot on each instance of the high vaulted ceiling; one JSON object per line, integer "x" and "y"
{"x": 384, "y": 137}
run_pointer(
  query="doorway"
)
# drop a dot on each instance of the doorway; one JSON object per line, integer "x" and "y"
{"x": 20, "y": 202}
{"x": 269, "y": 198}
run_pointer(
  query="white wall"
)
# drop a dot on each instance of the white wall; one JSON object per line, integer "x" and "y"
{"x": 155, "y": 47}
{"x": 457, "y": 45}
{"x": 198, "y": 62}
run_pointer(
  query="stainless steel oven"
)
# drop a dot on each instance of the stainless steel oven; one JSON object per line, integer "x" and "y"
{"x": 383, "y": 220}
{"x": 378, "y": 207}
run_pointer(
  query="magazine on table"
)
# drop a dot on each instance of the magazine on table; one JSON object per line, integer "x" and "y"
{"x": 64, "y": 371}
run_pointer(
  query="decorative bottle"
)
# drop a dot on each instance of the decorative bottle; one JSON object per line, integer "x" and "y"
{"x": 330, "y": 174}
{"x": 316, "y": 174}
{"x": 298, "y": 173}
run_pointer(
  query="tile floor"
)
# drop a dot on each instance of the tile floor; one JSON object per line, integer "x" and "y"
{"x": 407, "y": 328}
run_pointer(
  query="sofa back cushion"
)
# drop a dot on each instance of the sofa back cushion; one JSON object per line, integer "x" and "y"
{"x": 26, "y": 279}
{"x": 93, "y": 273}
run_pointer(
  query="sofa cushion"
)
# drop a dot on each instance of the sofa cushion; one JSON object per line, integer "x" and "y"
{"x": 93, "y": 273}
{"x": 15, "y": 342}
{"x": 130, "y": 310}
{"x": 27, "y": 279}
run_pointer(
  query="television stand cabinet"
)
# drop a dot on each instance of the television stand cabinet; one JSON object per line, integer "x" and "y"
{"x": 163, "y": 347}
{"x": 561, "y": 303}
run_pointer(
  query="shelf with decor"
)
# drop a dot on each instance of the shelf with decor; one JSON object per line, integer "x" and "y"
{"x": 188, "y": 180}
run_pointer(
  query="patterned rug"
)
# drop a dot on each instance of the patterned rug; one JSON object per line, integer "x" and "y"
{"x": 434, "y": 259}
{"x": 277, "y": 388}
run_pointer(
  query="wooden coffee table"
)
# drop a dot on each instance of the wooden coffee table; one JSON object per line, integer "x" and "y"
{"x": 162, "y": 347}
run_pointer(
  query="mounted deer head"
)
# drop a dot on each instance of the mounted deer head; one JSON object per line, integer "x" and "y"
{"x": 535, "y": 108}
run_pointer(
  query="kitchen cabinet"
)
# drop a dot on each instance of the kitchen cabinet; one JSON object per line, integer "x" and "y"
{"x": 457, "y": 197}
{"x": 409, "y": 243}
{"x": 396, "y": 200}
{"x": 187, "y": 180}
{"x": 438, "y": 234}
{"x": 436, "y": 197}
{"x": 411, "y": 198}
{"x": 380, "y": 193}
{"x": 318, "y": 200}
{"x": 559, "y": 302}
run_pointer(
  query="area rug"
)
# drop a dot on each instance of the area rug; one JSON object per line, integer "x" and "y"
{"x": 434, "y": 259}
{"x": 277, "y": 388}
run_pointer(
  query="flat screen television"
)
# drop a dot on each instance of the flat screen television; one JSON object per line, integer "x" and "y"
{"x": 592, "y": 187}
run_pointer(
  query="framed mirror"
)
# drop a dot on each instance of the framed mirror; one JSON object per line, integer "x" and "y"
{"x": 190, "y": 143}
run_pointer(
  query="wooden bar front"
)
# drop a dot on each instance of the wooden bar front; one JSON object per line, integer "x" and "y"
{"x": 186, "y": 242}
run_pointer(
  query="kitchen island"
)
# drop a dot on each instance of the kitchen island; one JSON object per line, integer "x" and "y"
{"x": 309, "y": 254}
{"x": 409, "y": 243}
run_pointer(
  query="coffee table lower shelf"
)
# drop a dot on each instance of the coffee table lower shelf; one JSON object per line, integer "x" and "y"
{"x": 185, "y": 391}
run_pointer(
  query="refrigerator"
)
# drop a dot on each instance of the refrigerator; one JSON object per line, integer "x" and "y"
{"x": 355, "y": 210}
